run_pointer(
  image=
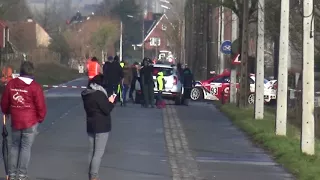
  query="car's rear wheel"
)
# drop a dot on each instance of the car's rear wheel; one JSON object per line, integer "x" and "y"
{"x": 196, "y": 94}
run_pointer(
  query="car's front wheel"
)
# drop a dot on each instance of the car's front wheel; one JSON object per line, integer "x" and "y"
{"x": 251, "y": 99}
{"x": 196, "y": 94}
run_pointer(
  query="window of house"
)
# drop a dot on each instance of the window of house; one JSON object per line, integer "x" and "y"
{"x": 164, "y": 27}
{"x": 155, "y": 41}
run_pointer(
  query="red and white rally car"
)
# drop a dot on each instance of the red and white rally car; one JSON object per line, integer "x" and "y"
{"x": 218, "y": 87}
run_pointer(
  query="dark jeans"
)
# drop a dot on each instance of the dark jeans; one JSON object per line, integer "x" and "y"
{"x": 148, "y": 94}
{"x": 132, "y": 87}
{"x": 125, "y": 88}
{"x": 20, "y": 152}
{"x": 159, "y": 96}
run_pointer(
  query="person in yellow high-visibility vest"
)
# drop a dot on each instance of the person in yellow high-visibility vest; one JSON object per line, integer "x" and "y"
{"x": 160, "y": 87}
{"x": 120, "y": 86}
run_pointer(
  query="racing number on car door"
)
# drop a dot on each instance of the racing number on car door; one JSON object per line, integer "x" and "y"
{"x": 214, "y": 90}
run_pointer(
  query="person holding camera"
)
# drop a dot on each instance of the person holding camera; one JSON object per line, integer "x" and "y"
{"x": 98, "y": 106}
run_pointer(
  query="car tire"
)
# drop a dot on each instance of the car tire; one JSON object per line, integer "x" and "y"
{"x": 137, "y": 99}
{"x": 251, "y": 99}
{"x": 196, "y": 94}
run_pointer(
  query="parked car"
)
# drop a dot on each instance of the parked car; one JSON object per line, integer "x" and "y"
{"x": 173, "y": 87}
{"x": 218, "y": 87}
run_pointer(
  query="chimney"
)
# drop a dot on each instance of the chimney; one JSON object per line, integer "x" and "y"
{"x": 149, "y": 16}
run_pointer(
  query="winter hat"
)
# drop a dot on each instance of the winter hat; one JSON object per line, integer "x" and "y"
{"x": 98, "y": 79}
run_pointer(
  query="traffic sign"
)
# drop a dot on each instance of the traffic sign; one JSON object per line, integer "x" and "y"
{"x": 236, "y": 60}
{"x": 226, "y": 47}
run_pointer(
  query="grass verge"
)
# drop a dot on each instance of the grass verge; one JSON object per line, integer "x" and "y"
{"x": 54, "y": 74}
{"x": 285, "y": 150}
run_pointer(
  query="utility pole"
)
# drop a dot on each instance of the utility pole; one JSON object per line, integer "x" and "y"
{"x": 142, "y": 45}
{"x": 121, "y": 40}
{"x": 244, "y": 84}
{"x": 259, "y": 84}
{"x": 307, "y": 134}
{"x": 233, "y": 75}
{"x": 281, "y": 114}
{"x": 221, "y": 24}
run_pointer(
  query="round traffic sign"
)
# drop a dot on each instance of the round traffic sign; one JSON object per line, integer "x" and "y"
{"x": 226, "y": 47}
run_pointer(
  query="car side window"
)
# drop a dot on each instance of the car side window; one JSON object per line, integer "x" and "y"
{"x": 218, "y": 80}
{"x": 225, "y": 79}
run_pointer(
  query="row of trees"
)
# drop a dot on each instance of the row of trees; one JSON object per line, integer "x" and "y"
{"x": 272, "y": 22}
{"x": 77, "y": 40}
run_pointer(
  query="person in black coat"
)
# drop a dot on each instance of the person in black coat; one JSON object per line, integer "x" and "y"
{"x": 98, "y": 107}
{"x": 188, "y": 84}
{"x": 147, "y": 83}
{"x": 113, "y": 74}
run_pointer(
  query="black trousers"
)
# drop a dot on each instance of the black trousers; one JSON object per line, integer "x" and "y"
{"x": 148, "y": 94}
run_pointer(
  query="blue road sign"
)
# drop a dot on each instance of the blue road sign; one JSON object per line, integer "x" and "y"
{"x": 226, "y": 47}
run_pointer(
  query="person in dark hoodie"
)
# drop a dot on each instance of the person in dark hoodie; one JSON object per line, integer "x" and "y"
{"x": 23, "y": 99}
{"x": 188, "y": 84}
{"x": 147, "y": 83}
{"x": 113, "y": 74}
{"x": 98, "y": 107}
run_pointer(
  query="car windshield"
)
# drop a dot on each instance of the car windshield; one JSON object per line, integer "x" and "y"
{"x": 265, "y": 81}
{"x": 166, "y": 71}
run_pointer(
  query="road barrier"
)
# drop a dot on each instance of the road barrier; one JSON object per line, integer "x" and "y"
{"x": 60, "y": 86}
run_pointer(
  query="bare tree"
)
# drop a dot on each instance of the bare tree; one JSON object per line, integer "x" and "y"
{"x": 14, "y": 10}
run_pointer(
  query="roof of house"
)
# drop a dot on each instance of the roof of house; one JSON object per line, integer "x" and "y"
{"x": 150, "y": 25}
{"x": 23, "y": 35}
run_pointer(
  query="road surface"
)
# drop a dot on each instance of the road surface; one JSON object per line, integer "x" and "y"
{"x": 177, "y": 143}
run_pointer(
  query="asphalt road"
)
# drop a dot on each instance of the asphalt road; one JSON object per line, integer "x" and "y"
{"x": 195, "y": 142}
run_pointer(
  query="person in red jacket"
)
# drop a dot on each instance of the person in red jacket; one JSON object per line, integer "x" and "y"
{"x": 24, "y": 100}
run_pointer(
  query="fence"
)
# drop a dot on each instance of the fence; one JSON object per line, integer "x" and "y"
{"x": 37, "y": 56}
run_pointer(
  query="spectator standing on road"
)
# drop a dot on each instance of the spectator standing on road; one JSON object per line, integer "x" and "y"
{"x": 23, "y": 99}
{"x": 94, "y": 68}
{"x": 127, "y": 78}
{"x": 107, "y": 63}
{"x": 135, "y": 77}
{"x": 188, "y": 84}
{"x": 180, "y": 72}
{"x": 160, "y": 86}
{"x": 113, "y": 74}
{"x": 147, "y": 83}
{"x": 98, "y": 107}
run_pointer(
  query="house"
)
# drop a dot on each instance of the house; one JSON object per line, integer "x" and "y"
{"x": 157, "y": 34}
{"x": 28, "y": 35}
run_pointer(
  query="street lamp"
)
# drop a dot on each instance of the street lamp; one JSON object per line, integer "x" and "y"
{"x": 165, "y": 1}
{"x": 121, "y": 40}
